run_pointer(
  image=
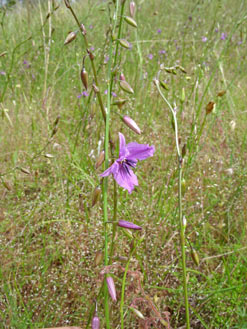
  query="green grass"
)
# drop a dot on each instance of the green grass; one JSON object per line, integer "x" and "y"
{"x": 49, "y": 235}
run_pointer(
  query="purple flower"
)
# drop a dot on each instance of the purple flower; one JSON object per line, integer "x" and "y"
{"x": 150, "y": 56}
{"x": 111, "y": 288}
{"x": 91, "y": 26}
{"x": 113, "y": 94}
{"x": 84, "y": 94}
{"x": 129, "y": 225}
{"x": 2, "y": 73}
{"x": 26, "y": 64}
{"x": 162, "y": 52}
{"x": 159, "y": 31}
{"x": 95, "y": 322}
{"x": 106, "y": 59}
{"x": 223, "y": 36}
{"x": 204, "y": 39}
{"x": 128, "y": 157}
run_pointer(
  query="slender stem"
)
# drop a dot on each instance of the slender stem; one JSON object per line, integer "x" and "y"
{"x": 182, "y": 224}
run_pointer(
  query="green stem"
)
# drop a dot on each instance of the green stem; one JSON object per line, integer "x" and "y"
{"x": 182, "y": 224}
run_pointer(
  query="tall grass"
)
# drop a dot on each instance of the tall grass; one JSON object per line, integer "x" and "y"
{"x": 51, "y": 234}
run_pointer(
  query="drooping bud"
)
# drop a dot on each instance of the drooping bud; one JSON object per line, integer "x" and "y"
{"x": 96, "y": 195}
{"x": 95, "y": 322}
{"x": 122, "y": 77}
{"x": 124, "y": 43}
{"x": 111, "y": 288}
{"x": 70, "y": 37}
{"x": 129, "y": 225}
{"x": 126, "y": 87}
{"x": 120, "y": 102}
{"x": 195, "y": 256}
{"x": 98, "y": 258}
{"x": 84, "y": 77}
{"x": 221, "y": 93}
{"x": 138, "y": 313}
{"x": 130, "y": 21}
{"x": 210, "y": 107}
{"x": 100, "y": 160}
{"x": 132, "y": 8}
{"x": 164, "y": 85}
{"x": 131, "y": 124}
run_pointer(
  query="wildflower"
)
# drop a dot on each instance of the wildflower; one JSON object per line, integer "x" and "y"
{"x": 162, "y": 52}
{"x": 204, "y": 39}
{"x": 128, "y": 157}
{"x": 131, "y": 124}
{"x": 159, "y": 31}
{"x": 223, "y": 36}
{"x": 84, "y": 94}
{"x": 150, "y": 56}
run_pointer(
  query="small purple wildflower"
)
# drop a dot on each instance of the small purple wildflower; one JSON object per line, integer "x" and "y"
{"x": 159, "y": 31}
{"x": 204, "y": 39}
{"x": 106, "y": 59}
{"x": 91, "y": 26}
{"x": 150, "y": 56}
{"x": 26, "y": 64}
{"x": 240, "y": 42}
{"x": 113, "y": 94}
{"x": 128, "y": 157}
{"x": 162, "y": 52}
{"x": 92, "y": 48}
{"x": 106, "y": 92}
{"x": 216, "y": 30}
{"x": 223, "y": 36}
{"x": 2, "y": 73}
{"x": 84, "y": 94}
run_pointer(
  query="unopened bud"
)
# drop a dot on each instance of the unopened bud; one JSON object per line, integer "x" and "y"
{"x": 164, "y": 85}
{"x": 84, "y": 78}
{"x": 111, "y": 288}
{"x": 95, "y": 88}
{"x": 130, "y": 21}
{"x": 70, "y": 37}
{"x": 138, "y": 313}
{"x": 91, "y": 55}
{"x": 25, "y": 171}
{"x": 100, "y": 160}
{"x": 128, "y": 225}
{"x": 122, "y": 77}
{"x": 98, "y": 258}
{"x": 126, "y": 87}
{"x": 210, "y": 107}
{"x": 124, "y": 43}
{"x": 95, "y": 322}
{"x": 56, "y": 121}
{"x": 221, "y": 93}
{"x": 131, "y": 124}
{"x": 120, "y": 102}
{"x": 132, "y": 8}
{"x": 195, "y": 257}
{"x": 96, "y": 195}
{"x": 83, "y": 29}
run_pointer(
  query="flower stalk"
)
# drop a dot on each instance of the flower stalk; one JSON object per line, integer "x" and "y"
{"x": 181, "y": 221}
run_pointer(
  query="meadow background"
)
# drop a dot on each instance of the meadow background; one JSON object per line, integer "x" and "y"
{"x": 50, "y": 234}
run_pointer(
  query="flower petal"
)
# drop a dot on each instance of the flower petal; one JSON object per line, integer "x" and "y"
{"x": 122, "y": 146}
{"x": 139, "y": 151}
{"x": 113, "y": 169}
{"x": 127, "y": 180}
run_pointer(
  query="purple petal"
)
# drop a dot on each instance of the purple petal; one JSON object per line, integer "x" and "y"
{"x": 126, "y": 179}
{"x": 122, "y": 146}
{"x": 113, "y": 169}
{"x": 139, "y": 151}
{"x": 129, "y": 225}
{"x": 95, "y": 322}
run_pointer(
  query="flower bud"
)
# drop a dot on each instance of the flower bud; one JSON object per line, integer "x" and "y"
{"x": 129, "y": 225}
{"x": 100, "y": 160}
{"x": 96, "y": 195}
{"x": 83, "y": 29}
{"x": 221, "y": 93}
{"x": 70, "y": 37}
{"x": 95, "y": 88}
{"x": 124, "y": 43}
{"x": 164, "y": 85}
{"x": 84, "y": 78}
{"x": 120, "y": 102}
{"x": 122, "y": 77}
{"x": 138, "y": 313}
{"x": 195, "y": 257}
{"x": 132, "y": 8}
{"x": 130, "y": 21}
{"x": 111, "y": 288}
{"x": 210, "y": 107}
{"x": 95, "y": 322}
{"x": 131, "y": 124}
{"x": 126, "y": 87}
{"x": 98, "y": 258}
